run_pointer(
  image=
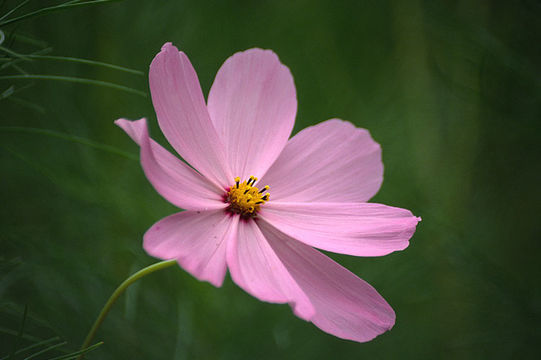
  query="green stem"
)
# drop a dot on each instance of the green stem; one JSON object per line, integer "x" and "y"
{"x": 14, "y": 9}
{"x": 119, "y": 290}
{"x": 85, "y": 61}
{"x": 75, "y": 80}
{"x": 8, "y": 61}
{"x": 42, "y": 11}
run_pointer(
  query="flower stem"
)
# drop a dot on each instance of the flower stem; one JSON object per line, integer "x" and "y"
{"x": 119, "y": 290}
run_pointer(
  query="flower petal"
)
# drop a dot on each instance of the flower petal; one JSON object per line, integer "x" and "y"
{"x": 197, "y": 239}
{"x": 330, "y": 162}
{"x": 174, "y": 180}
{"x": 255, "y": 268}
{"x": 361, "y": 229}
{"x": 252, "y": 104}
{"x": 183, "y": 116}
{"x": 345, "y": 305}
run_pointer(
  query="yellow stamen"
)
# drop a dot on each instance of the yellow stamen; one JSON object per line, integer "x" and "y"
{"x": 245, "y": 198}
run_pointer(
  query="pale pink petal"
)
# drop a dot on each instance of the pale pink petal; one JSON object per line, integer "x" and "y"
{"x": 183, "y": 116}
{"x": 330, "y": 162}
{"x": 252, "y": 104}
{"x": 256, "y": 269}
{"x": 196, "y": 239}
{"x": 174, "y": 180}
{"x": 361, "y": 229}
{"x": 345, "y": 305}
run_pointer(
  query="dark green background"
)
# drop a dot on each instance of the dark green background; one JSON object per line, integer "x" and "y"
{"x": 450, "y": 89}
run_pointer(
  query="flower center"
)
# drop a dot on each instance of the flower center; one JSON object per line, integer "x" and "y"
{"x": 244, "y": 198}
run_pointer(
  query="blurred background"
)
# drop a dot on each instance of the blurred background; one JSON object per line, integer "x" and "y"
{"x": 450, "y": 89}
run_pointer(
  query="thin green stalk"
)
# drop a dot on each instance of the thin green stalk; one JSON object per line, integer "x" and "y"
{"x": 75, "y": 80}
{"x": 78, "y": 353}
{"x": 85, "y": 61}
{"x": 33, "y": 346}
{"x": 49, "y": 348}
{"x": 13, "y": 53}
{"x": 116, "y": 294}
{"x": 20, "y": 70}
{"x": 37, "y": 55}
{"x": 10, "y": 61}
{"x": 43, "y": 11}
{"x": 23, "y": 3}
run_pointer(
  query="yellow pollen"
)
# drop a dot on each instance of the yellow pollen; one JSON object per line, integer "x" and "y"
{"x": 245, "y": 198}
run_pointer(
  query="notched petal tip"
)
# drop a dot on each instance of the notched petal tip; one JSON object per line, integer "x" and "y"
{"x": 168, "y": 49}
{"x": 182, "y": 114}
{"x": 168, "y": 45}
{"x": 256, "y": 52}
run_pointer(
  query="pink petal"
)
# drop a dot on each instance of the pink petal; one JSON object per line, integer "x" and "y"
{"x": 174, "y": 180}
{"x": 255, "y": 267}
{"x": 345, "y": 305}
{"x": 183, "y": 116}
{"x": 361, "y": 229}
{"x": 330, "y": 162}
{"x": 252, "y": 104}
{"x": 198, "y": 240}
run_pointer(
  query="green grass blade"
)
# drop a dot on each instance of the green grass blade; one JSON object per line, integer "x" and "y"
{"x": 14, "y": 9}
{"x": 85, "y": 61}
{"x": 72, "y": 138}
{"x": 38, "y": 55}
{"x": 75, "y": 80}
{"x": 78, "y": 353}
{"x": 10, "y": 61}
{"x": 49, "y": 348}
{"x": 13, "y": 53}
{"x": 33, "y": 346}
{"x": 20, "y": 69}
{"x": 43, "y": 11}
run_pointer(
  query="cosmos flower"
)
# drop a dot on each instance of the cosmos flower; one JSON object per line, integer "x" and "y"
{"x": 258, "y": 203}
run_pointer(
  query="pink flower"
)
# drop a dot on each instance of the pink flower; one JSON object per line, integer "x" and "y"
{"x": 320, "y": 180}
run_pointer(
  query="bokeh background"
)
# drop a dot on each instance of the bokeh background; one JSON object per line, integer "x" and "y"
{"x": 450, "y": 89}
